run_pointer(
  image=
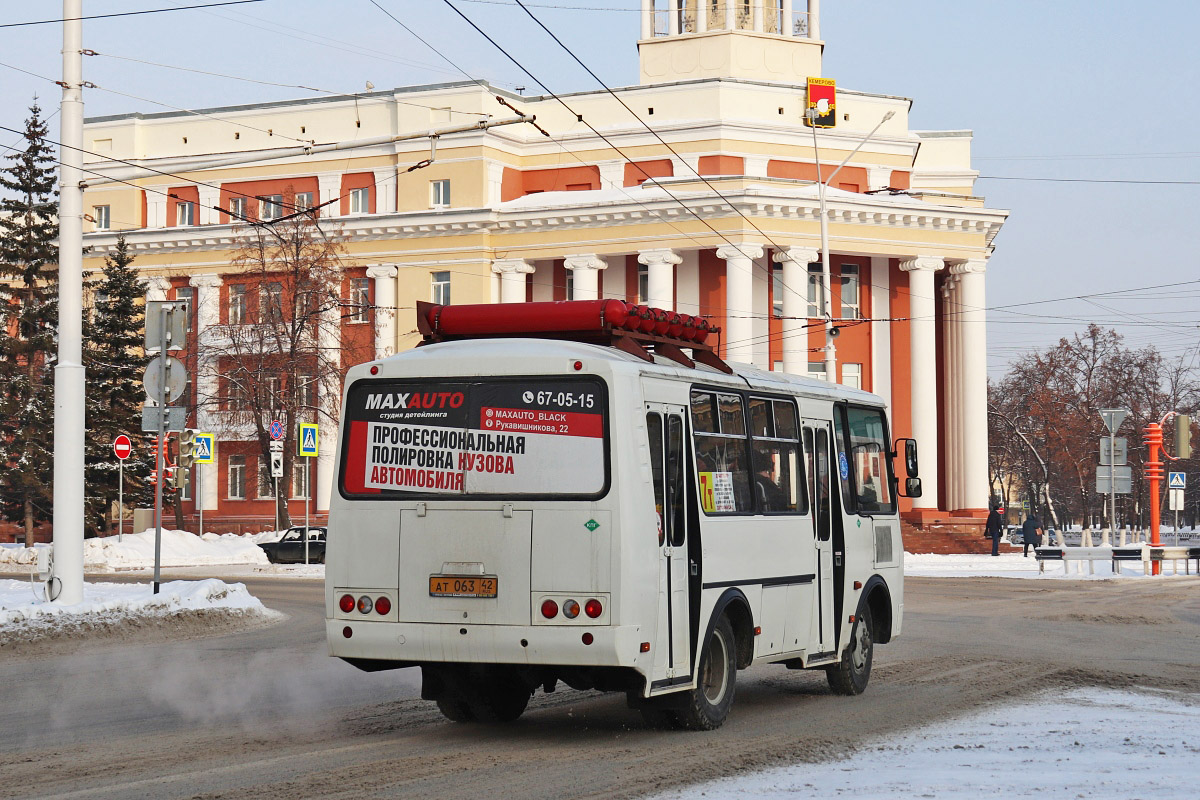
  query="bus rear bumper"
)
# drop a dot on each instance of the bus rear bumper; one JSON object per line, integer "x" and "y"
{"x": 420, "y": 643}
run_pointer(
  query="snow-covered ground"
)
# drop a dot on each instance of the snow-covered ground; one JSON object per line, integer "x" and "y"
{"x": 1014, "y": 565}
{"x": 23, "y": 604}
{"x": 1092, "y": 743}
{"x": 136, "y": 551}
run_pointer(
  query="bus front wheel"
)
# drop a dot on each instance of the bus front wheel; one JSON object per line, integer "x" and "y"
{"x": 850, "y": 675}
{"x": 710, "y": 701}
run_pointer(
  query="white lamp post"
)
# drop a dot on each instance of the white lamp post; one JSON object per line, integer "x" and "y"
{"x": 821, "y": 109}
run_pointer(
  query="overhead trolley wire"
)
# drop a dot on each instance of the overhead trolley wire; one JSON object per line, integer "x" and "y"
{"x": 128, "y": 13}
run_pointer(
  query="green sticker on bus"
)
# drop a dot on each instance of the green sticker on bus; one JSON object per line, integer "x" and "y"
{"x": 591, "y": 525}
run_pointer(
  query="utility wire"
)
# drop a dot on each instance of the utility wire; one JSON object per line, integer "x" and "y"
{"x": 127, "y": 13}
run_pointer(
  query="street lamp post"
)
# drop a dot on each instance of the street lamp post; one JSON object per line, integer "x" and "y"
{"x": 820, "y": 109}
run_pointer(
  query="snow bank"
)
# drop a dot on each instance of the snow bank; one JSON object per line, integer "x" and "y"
{"x": 1094, "y": 743}
{"x": 1014, "y": 565}
{"x": 179, "y": 549}
{"x": 23, "y": 602}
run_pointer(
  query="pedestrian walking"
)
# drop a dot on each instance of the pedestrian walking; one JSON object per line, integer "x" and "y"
{"x": 995, "y": 527}
{"x": 1031, "y": 530}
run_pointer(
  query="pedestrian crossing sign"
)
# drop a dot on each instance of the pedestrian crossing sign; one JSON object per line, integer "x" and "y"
{"x": 307, "y": 440}
{"x": 1177, "y": 480}
{"x": 205, "y": 448}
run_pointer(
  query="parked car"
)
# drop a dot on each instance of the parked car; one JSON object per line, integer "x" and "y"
{"x": 290, "y": 548}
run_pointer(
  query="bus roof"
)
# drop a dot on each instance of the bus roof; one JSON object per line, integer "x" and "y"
{"x": 524, "y": 356}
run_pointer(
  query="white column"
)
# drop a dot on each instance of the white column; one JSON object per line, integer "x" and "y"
{"x": 647, "y": 19}
{"x": 329, "y": 399}
{"x": 384, "y": 276}
{"x": 739, "y": 300}
{"x": 156, "y": 288}
{"x": 495, "y": 183}
{"x": 210, "y": 199}
{"x": 385, "y": 190}
{"x": 881, "y": 330}
{"x": 950, "y": 385}
{"x": 730, "y": 19}
{"x": 612, "y": 174}
{"x": 756, "y": 14}
{"x": 512, "y": 273}
{"x": 208, "y": 314}
{"x": 755, "y": 166}
{"x": 785, "y": 24}
{"x": 795, "y": 261}
{"x": 878, "y": 178}
{"x": 701, "y": 9}
{"x": 586, "y": 269}
{"x": 974, "y": 381}
{"x": 814, "y": 19}
{"x": 923, "y": 370}
{"x": 673, "y": 17}
{"x": 660, "y": 274}
{"x": 329, "y": 187}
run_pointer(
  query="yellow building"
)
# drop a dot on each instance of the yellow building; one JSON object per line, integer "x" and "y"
{"x": 694, "y": 190}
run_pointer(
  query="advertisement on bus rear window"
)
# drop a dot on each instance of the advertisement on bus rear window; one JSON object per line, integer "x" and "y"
{"x": 522, "y": 437}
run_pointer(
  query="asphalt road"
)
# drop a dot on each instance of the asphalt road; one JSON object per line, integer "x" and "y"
{"x": 265, "y": 714}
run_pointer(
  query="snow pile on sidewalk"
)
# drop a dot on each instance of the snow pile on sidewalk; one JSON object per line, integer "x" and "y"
{"x": 136, "y": 551}
{"x": 1094, "y": 743}
{"x": 24, "y": 602}
{"x": 1014, "y": 565}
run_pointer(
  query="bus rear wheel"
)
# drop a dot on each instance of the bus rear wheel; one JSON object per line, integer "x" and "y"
{"x": 502, "y": 701}
{"x": 850, "y": 675}
{"x": 710, "y": 701}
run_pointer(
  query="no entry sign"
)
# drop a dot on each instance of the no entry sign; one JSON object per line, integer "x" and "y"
{"x": 122, "y": 447}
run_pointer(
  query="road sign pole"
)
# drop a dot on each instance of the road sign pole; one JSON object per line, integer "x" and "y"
{"x": 199, "y": 493}
{"x": 121, "y": 500}
{"x": 307, "y": 492}
{"x": 162, "y": 419}
{"x": 1112, "y": 497}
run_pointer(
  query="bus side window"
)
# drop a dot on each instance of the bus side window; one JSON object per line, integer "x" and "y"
{"x": 722, "y": 463}
{"x": 776, "y": 449}
{"x": 676, "y": 495}
{"x": 654, "y": 430}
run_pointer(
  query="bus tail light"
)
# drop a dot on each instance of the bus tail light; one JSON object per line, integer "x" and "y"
{"x": 365, "y": 604}
{"x": 549, "y": 609}
{"x": 346, "y": 604}
{"x": 588, "y": 638}
{"x": 383, "y": 605}
{"x": 570, "y": 609}
{"x": 593, "y": 608}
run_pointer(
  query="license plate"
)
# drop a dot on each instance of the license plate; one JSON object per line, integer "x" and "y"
{"x": 462, "y": 586}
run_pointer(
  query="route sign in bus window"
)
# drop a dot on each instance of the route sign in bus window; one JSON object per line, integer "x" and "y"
{"x": 522, "y": 437}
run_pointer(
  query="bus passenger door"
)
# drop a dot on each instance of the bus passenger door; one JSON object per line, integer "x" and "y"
{"x": 819, "y": 464}
{"x": 665, "y": 427}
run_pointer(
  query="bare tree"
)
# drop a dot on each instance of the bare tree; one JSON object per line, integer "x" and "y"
{"x": 278, "y": 353}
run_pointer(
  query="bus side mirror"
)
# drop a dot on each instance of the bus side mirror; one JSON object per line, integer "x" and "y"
{"x": 912, "y": 487}
{"x": 910, "y": 457}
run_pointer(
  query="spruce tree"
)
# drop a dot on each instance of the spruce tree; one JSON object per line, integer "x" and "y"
{"x": 115, "y": 362}
{"x": 29, "y": 298}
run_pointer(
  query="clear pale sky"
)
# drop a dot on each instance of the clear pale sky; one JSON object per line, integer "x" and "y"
{"x": 1069, "y": 89}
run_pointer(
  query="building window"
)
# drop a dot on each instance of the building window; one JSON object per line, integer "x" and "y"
{"x": 852, "y": 375}
{"x": 239, "y": 397}
{"x": 188, "y": 295}
{"x": 237, "y": 208}
{"x": 270, "y": 302}
{"x": 360, "y": 201}
{"x": 266, "y": 484}
{"x": 643, "y": 286}
{"x": 570, "y": 284}
{"x": 849, "y": 280}
{"x": 777, "y": 289}
{"x": 300, "y": 478}
{"x": 185, "y": 214}
{"x": 441, "y": 288}
{"x": 816, "y": 297}
{"x": 237, "y": 304}
{"x": 360, "y": 299}
{"x": 307, "y": 394}
{"x": 270, "y": 207}
{"x": 439, "y": 193}
{"x": 237, "y": 477}
{"x": 816, "y": 369}
{"x": 304, "y": 201}
{"x": 274, "y": 392}
{"x": 103, "y": 215}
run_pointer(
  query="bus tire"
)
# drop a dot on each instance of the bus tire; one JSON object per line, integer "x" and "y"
{"x": 851, "y": 674}
{"x": 503, "y": 701}
{"x": 455, "y": 709}
{"x": 710, "y": 701}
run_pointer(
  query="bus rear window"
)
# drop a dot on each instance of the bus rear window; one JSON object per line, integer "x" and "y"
{"x": 481, "y": 439}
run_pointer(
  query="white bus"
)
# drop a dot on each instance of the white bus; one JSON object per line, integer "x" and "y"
{"x": 516, "y": 511}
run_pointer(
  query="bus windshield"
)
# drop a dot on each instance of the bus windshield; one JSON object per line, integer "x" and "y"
{"x": 482, "y": 438}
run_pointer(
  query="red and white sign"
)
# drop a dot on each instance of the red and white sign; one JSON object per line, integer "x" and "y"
{"x": 122, "y": 447}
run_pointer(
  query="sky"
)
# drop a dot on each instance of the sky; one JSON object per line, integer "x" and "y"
{"x": 1059, "y": 95}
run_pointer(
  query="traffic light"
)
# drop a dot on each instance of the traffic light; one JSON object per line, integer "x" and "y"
{"x": 187, "y": 448}
{"x": 179, "y": 477}
{"x": 1183, "y": 436}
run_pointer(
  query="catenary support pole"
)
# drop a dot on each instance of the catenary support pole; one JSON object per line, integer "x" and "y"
{"x": 68, "y": 370}
{"x": 160, "y": 456}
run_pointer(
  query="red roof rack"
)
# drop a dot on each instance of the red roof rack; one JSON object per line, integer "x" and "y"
{"x": 634, "y": 329}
